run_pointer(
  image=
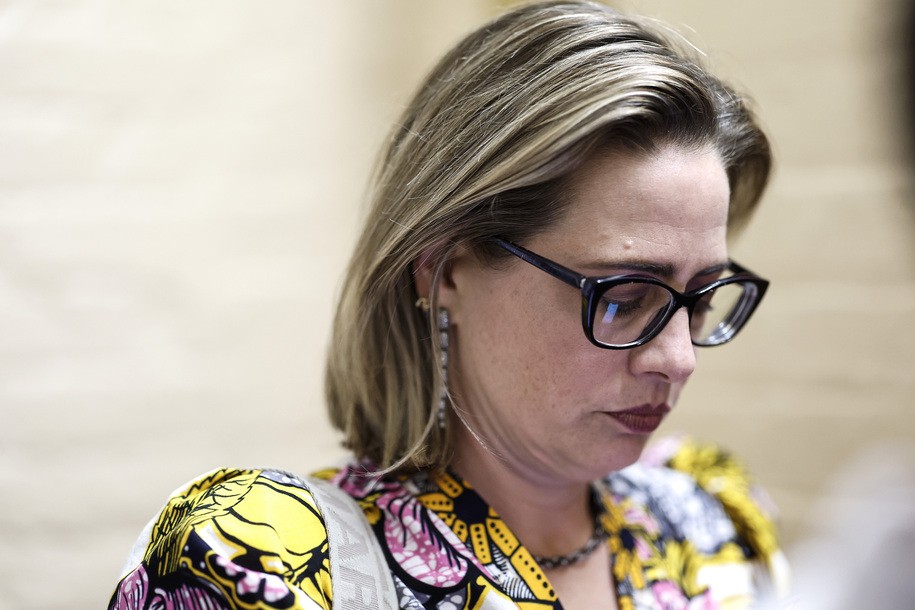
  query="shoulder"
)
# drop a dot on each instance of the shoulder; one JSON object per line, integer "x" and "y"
{"x": 681, "y": 508}
{"x": 232, "y": 538}
{"x": 723, "y": 477}
{"x": 701, "y": 494}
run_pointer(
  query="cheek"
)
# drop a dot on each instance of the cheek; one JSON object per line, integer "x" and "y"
{"x": 536, "y": 362}
{"x": 510, "y": 344}
{"x": 510, "y": 347}
{"x": 522, "y": 350}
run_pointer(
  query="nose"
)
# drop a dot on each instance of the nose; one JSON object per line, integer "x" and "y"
{"x": 671, "y": 354}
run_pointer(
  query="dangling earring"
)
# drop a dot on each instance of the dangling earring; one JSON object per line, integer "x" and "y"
{"x": 443, "y": 366}
{"x": 422, "y": 303}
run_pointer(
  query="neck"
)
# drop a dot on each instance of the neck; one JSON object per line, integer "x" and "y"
{"x": 549, "y": 517}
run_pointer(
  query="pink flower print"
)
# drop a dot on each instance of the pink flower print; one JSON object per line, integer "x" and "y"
{"x": 135, "y": 593}
{"x": 669, "y": 596}
{"x": 185, "y": 597}
{"x": 703, "y": 602}
{"x": 420, "y": 543}
{"x": 132, "y": 591}
{"x": 642, "y": 549}
{"x": 248, "y": 583}
{"x": 637, "y": 515}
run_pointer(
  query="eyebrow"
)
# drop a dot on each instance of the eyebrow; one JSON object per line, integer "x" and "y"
{"x": 663, "y": 270}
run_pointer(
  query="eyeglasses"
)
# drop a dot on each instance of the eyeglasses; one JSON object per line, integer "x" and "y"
{"x": 625, "y": 311}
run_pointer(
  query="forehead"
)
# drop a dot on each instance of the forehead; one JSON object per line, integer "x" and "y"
{"x": 668, "y": 207}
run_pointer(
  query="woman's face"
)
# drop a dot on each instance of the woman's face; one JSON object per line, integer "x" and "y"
{"x": 550, "y": 404}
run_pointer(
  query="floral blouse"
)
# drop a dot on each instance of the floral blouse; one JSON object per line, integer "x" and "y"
{"x": 686, "y": 530}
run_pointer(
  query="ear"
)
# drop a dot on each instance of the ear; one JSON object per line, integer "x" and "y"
{"x": 424, "y": 268}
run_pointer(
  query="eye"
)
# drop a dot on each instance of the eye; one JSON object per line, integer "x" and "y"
{"x": 623, "y": 302}
{"x": 701, "y": 311}
{"x": 619, "y": 308}
{"x": 704, "y": 305}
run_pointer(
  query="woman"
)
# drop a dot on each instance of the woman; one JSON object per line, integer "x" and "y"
{"x": 545, "y": 250}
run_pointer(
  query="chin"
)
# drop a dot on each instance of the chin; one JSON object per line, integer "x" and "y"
{"x": 624, "y": 460}
{"x": 624, "y": 451}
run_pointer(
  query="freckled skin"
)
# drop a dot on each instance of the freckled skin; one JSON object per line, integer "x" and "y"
{"x": 522, "y": 372}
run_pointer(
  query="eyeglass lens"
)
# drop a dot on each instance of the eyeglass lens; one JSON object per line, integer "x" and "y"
{"x": 630, "y": 311}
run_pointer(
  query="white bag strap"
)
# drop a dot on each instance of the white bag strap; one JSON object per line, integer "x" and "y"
{"x": 360, "y": 576}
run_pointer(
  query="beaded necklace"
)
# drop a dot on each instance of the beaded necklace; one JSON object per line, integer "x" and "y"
{"x": 599, "y": 536}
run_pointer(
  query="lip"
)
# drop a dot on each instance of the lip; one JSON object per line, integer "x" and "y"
{"x": 643, "y": 419}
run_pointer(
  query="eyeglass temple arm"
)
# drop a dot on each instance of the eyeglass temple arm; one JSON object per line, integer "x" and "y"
{"x": 737, "y": 267}
{"x": 576, "y": 280}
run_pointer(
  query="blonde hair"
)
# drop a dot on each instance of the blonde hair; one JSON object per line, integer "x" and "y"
{"x": 483, "y": 151}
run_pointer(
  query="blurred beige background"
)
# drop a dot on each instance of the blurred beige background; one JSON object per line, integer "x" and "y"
{"x": 180, "y": 184}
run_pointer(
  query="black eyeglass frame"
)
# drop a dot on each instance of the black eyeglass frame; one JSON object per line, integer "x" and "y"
{"x": 593, "y": 288}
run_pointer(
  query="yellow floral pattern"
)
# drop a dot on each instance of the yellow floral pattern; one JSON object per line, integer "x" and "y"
{"x": 683, "y": 527}
{"x": 233, "y": 539}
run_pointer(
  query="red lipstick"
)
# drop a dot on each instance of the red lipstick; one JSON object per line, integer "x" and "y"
{"x": 643, "y": 419}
